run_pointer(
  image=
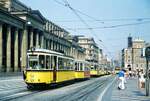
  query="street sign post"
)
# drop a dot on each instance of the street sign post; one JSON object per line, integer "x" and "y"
{"x": 147, "y": 55}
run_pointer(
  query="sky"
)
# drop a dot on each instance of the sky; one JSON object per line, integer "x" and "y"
{"x": 109, "y": 22}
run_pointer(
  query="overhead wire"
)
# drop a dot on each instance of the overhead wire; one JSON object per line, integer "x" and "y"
{"x": 107, "y": 20}
{"x": 66, "y": 4}
{"x": 75, "y": 11}
{"x": 80, "y": 18}
{"x": 112, "y": 26}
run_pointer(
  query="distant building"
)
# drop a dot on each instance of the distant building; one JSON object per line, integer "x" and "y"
{"x": 138, "y": 61}
{"x": 77, "y": 51}
{"x": 91, "y": 47}
{"x": 131, "y": 56}
{"x": 129, "y": 42}
{"x": 100, "y": 56}
{"x": 128, "y": 58}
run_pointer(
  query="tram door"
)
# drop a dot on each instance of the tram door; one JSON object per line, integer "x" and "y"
{"x": 54, "y": 63}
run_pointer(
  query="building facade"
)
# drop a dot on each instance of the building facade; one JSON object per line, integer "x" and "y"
{"x": 92, "y": 50}
{"x": 139, "y": 63}
{"x": 77, "y": 51}
{"x": 131, "y": 56}
{"x": 22, "y": 28}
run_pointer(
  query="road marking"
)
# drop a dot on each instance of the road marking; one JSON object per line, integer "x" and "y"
{"x": 104, "y": 91}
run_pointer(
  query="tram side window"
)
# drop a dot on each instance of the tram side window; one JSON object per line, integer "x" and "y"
{"x": 60, "y": 64}
{"x": 48, "y": 62}
{"x": 53, "y": 62}
{"x": 67, "y": 64}
{"x": 86, "y": 67}
{"x": 95, "y": 67}
{"x": 71, "y": 63}
{"x": 42, "y": 61}
{"x": 76, "y": 66}
{"x": 81, "y": 66}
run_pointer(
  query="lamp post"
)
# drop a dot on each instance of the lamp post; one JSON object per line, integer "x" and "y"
{"x": 147, "y": 54}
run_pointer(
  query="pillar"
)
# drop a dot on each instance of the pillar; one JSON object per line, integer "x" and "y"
{"x": 8, "y": 54}
{"x": 16, "y": 50}
{"x": 42, "y": 41}
{"x": 37, "y": 39}
{"x": 48, "y": 45}
{"x": 31, "y": 37}
{"x": 1, "y": 47}
{"x": 24, "y": 48}
{"x": 52, "y": 44}
{"x": 55, "y": 46}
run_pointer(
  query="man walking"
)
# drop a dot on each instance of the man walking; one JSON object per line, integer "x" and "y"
{"x": 121, "y": 76}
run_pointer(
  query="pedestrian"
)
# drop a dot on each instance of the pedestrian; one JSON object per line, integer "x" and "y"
{"x": 141, "y": 80}
{"x": 125, "y": 76}
{"x": 121, "y": 76}
{"x": 130, "y": 73}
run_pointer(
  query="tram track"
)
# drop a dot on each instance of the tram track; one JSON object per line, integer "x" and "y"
{"x": 76, "y": 92}
{"x": 17, "y": 95}
{"x": 84, "y": 95}
{"x": 82, "y": 92}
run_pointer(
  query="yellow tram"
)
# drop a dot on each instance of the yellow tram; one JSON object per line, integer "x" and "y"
{"x": 82, "y": 69}
{"x": 46, "y": 67}
{"x": 94, "y": 70}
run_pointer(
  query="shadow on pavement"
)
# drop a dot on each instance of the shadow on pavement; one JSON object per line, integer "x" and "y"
{"x": 138, "y": 93}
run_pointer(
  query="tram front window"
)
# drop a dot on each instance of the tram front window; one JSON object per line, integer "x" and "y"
{"x": 33, "y": 64}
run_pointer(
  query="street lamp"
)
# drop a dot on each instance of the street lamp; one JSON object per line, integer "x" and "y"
{"x": 147, "y": 54}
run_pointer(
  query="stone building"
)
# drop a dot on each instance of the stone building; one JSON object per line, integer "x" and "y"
{"x": 91, "y": 47}
{"x": 138, "y": 62}
{"x": 22, "y": 28}
{"x": 77, "y": 51}
{"x": 127, "y": 58}
{"x": 131, "y": 56}
{"x": 100, "y": 58}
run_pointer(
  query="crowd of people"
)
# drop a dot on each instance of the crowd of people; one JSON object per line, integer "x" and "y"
{"x": 123, "y": 75}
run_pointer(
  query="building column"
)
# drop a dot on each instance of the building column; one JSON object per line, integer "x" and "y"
{"x": 51, "y": 44}
{"x": 8, "y": 49}
{"x": 48, "y": 45}
{"x": 16, "y": 50}
{"x": 31, "y": 37}
{"x": 55, "y": 46}
{"x": 1, "y": 46}
{"x": 24, "y": 48}
{"x": 37, "y": 39}
{"x": 42, "y": 41}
